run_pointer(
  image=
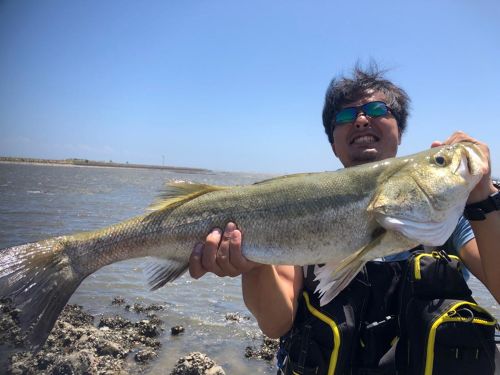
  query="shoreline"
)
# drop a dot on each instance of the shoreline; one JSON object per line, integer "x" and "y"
{"x": 99, "y": 164}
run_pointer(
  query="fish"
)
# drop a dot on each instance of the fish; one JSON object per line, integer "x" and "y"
{"x": 341, "y": 219}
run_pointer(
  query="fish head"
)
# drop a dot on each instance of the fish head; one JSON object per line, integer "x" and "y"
{"x": 424, "y": 198}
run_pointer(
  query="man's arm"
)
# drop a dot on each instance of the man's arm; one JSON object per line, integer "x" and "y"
{"x": 270, "y": 292}
{"x": 482, "y": 254}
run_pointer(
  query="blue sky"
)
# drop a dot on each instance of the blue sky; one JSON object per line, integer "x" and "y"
{"x": 233, "y": 85}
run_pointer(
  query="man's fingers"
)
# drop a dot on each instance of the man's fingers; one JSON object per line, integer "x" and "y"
{"x": 224, "y": 253}
{"x": 239, "y": 262}
{"x": 220, "y": 254}
{"x": 196, "y": 269}
{"x": 208, "y": 259}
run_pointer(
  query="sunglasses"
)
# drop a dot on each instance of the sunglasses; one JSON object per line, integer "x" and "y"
{"x": 371, "y": 109}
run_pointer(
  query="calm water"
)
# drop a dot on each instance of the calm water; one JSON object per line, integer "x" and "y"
{"x": 38, "y": 201}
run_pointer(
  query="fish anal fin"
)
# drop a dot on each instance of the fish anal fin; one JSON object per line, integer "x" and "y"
{"x": 179, "y": 192}
{"x": 161, "y": 271}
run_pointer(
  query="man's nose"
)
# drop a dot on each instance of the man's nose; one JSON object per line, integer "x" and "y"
{"x": 362, "y": 120}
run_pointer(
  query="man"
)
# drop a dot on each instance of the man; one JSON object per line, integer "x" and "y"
{"x": 358, "y": 133}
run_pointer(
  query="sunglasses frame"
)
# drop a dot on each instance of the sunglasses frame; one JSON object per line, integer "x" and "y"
{"x": 359, "y": 109}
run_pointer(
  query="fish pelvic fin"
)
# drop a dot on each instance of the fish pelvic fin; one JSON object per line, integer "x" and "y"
{"x": 331, "y": 282}
{"x": 178, "y": 192}
{"x": 334, "y": 277}
{"x": 161, "y": 271}
{"x": 36, "y": 282}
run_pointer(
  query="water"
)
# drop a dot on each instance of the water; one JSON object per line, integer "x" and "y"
{"x": 39, "y": 201}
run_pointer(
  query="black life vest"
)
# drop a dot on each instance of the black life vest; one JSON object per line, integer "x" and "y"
{"x": 415, "y": 316}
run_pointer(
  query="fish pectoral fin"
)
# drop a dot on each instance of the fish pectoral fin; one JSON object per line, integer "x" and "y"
{"x": 177, "y": 193}
{"x": 161, "y": 271}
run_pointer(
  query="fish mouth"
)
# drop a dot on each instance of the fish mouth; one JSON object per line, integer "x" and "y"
{"x": 364, "y": 139}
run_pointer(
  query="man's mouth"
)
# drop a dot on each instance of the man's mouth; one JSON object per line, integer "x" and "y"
{"x": 364, "y": 140}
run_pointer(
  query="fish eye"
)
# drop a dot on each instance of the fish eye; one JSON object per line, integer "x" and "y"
{"x": 440, "y": 160}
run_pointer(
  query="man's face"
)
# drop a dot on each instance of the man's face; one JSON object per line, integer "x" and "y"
{"x": 366, "y": 139}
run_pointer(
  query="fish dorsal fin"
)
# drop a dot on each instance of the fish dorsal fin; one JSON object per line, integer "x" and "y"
{"x": 287, "y": 176}
{"x": 178, "y": 192}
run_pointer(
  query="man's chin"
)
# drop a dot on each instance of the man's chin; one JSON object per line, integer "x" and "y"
{"x": 367, "y": 155}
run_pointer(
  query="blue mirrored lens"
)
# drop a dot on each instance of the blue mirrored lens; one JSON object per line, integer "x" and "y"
{"x": 375, "y": 109}
{"x": 372, "y": 109}
{"x": 346, "y": 115}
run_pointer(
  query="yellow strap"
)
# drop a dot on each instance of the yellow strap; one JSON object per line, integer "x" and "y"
{"x": 335, "y": 330}
{"x": 434, "y": 254}
{"x": 445, "y": 317}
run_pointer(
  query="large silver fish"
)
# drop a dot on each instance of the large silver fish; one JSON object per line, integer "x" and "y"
{"x": 342, "y": 218}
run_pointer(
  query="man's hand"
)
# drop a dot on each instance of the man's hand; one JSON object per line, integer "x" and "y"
{"x": 480, "y": 255}
{"x": 220, "y": 254}
{"x": 485, "y": 186}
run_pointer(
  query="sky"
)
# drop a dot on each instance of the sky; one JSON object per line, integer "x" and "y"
{"x": 235, "y": 85}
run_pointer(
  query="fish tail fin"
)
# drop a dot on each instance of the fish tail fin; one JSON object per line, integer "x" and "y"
{"x": 36, "y": 282}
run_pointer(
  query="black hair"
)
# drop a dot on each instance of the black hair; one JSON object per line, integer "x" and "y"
{"x": 343, "y": 90}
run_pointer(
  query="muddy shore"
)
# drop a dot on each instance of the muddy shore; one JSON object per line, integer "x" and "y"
{"x": 82, "y": 344}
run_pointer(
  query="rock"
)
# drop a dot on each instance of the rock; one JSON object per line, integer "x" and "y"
{"x": 148, "y": 329}
{"x": 267, "y": 350}
{"x": 176, "y": 330}
{"x": 216, "y": 370}
{"x": 76, "y": 363}
{"x": 154, "y": 307}
{"x": 76, "y": 346}
{"x": 139, "y": 307}
{"x": 196, "y": 364}
{"x": 154, "y": 319}
{"x": 118, "y": 300}
{"x": 43, "y": 362}
{"x": 75, "y": 315}
{"x": 10, "y": 332}
{"x": 114, "y": 322}
{"x": 144, "y": 355}
{"x": 236, "y": 317}
{"x": 107, "y": 347}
